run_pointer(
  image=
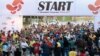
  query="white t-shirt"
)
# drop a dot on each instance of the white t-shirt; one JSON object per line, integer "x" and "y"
{"x": 24, "y": 45}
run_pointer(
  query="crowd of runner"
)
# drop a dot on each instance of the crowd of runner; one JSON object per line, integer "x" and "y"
{"x": 51, "y": 40}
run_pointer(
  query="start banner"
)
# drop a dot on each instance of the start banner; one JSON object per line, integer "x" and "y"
{"x": 49, "y": 7}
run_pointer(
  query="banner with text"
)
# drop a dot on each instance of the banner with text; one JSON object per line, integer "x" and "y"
{"x": 49, "y": 7}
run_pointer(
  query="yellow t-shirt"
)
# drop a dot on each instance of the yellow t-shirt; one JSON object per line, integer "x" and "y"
{"x": 15, "y": 36}
{"x": 31, "y": 43}
{"x": 72, "y": 53}
{"x": 58, "y": 44}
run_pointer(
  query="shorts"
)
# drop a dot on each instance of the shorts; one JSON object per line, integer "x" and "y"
{"x": 24, "y": 49}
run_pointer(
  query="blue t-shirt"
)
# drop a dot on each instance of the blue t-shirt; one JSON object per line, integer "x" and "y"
{"x": 5, "y": 48}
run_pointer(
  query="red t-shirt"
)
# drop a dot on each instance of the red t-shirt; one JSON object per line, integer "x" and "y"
{"x": 4, "y": 38}
{"x": 82, "y": 54}
{"x": 36, "y": 48}
{"x": 49, "y": 43}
